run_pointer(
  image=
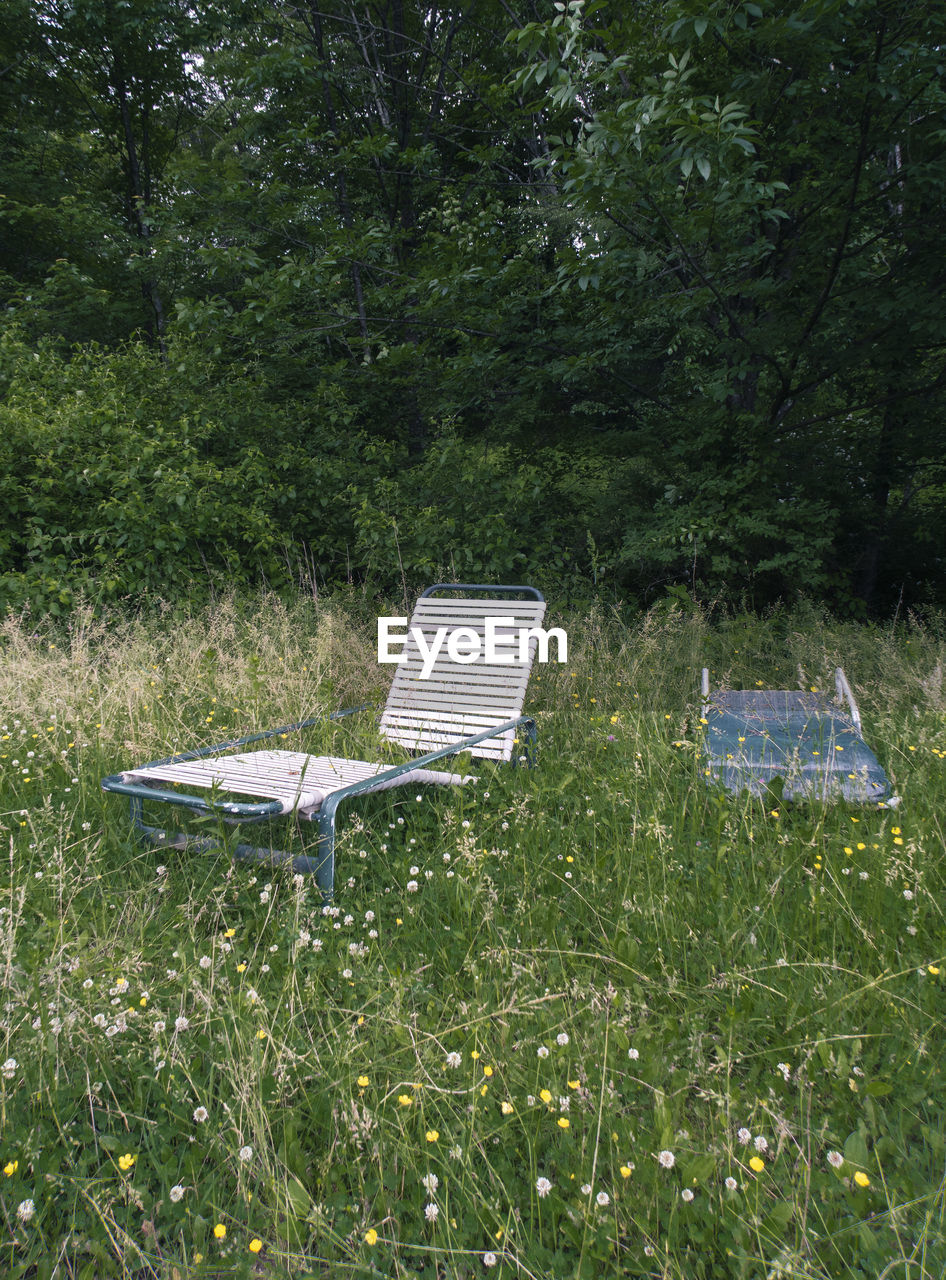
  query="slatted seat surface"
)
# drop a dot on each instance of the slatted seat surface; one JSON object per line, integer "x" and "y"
{"x": 300, "y": 782}
{"x": 458, "y": 700}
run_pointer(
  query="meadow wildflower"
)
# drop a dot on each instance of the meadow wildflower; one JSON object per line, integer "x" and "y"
{"x": 430, "y": 1182}
{"x": 11, "y": 1167}
{"x": 201, "y": 1114}
{"x": 543, "y": 1186}
{"x": 666, "y": 1159}
{"x": 686, "y": 1194}
{"x": 633, "y": 1054}
{"x": 255, "y": 1245}
{"x": 744, "y": 1136}
{"x": 220, "y": 1231}
{"x": 371, "y": 1236}
{"x": 835, "y": 1159}
{"x": 542, "y": 1051}
{"x": 761, "y": 1144}
{"x": 602, "y": 1199}
{"x": 757, "y": 1164}
{"x": 861, "y": 1179}
{"x": 176, "y": 1193}
{"x": 431, "y": 1212}
{"x": 9, "y": 1068}
{"x": 363, "y": 1082}
{"x": 126, "y": 1161}
{"x": 432, "y": 1135}
{"x": 562, "y": 1039}
{"x": 181, "y": 1023}
{"x": 453, "y": 1059}
{"x": 489, "y": 1259}
{"x": 563, "y": 1122}
{"x": 731, "y": 1184}
{"x": 25, "y": 1210}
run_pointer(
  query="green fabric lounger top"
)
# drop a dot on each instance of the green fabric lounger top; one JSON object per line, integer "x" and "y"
{"x": 811, "y": 742}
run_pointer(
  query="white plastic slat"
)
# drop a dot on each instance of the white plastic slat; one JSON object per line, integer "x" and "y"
{"x": 297, "y": 780}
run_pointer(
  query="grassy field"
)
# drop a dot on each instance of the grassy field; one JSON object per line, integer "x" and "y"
{"x": 582, "y": 1021}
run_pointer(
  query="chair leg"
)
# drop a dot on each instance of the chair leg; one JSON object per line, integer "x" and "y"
{"x": 325, "y": 857}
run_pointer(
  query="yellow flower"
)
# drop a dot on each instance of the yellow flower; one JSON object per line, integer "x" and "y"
{"x": 757, "y": 1164}
{"x": 231, "y": 933}
{"x": 474, "y": 1054}
{"x": 405, "y": 1099}
{"x": 563, "y": 1122}
{"x": 861, "y": 1179}
{"x": 371, "y": 1236}
{"x": 573, "y": 1084}
{"x": 363, "y": 1082}
{"x": 545, "y": 1095}
{"x": 894, "y": 831}
{"x": 625, "y": 1171}
{"x": 11, "y": 1168}
{"x": 483, "y": 1091}
{"x": 220, "y": 1231}
{"x": 487, "y": 1071}
{"x": 143, "y": 1001}
{"x": 126, "y": 1161}
{"x": 432, "y": 1135}
{"x": 241, "y": 967}
{"x": 261, "y": 1035}
{"x": 255, "y": 1246}
{"x": 932, "y": 968}
{"x": 507, "y": 1108}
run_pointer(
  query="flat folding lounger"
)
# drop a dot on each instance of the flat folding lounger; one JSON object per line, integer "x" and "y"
{"x": 461, "y": 706}
{"x": 813, "y": 743}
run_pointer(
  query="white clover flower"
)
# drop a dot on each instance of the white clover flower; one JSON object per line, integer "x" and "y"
{"x": 414, "y": 871}
{"x": 456, "y": 1152}
{"x": 908, "y": 894}
{"x": 245, "y": 1154}
{"x": 835, "y": 1159}
{"x": 349, "y": 920}
{"x": 9, "y": 1068}
{"x": 562, "y": 1039}
{"x": 412, "y": 886}
{"x": 205, "y": 962}
{"x": 686, "y": 1194}
{"x": 181, "y": 1023}
{"x": 633, "y": 1054}
{"x": 781, "y": 962}
{"x": 489, "y": 1259}
{"x": 264, "y": 896}
{"x": 542, "y": 1051}
{"x": 176, "y": 1193}
{"x": 201, "y": 1114}
{"x": 784, "y": 1068}
{"x": 99, "y": 1020}
{"x": 25, "y": 1210}
{"x": 543, "y": 1186}
{"x": 369, "y": 916}
{"x": 346, "y": 973}
{"x": 743, "y": 1135}
{"x": 731, "y": 1184}
{"x": 430, "y": 1182}
{"x": 602, "y": 1199}
{"x": 160, "y": 1026}
{"x": 761, "y": 1144}
{"x": 88, "y": 984}
{"x": 160, "y": 871}
{"x": 317, "y": 944}
{"x": 121, "y": 985}
{"x": 453, "y": 1059}
{"x": 431, "y": 1212}
{"x": 666, "y": 1159}
{"x": 586, "y": 1188}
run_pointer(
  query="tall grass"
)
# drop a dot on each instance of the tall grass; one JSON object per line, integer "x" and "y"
{"x": 587, "y": 1020}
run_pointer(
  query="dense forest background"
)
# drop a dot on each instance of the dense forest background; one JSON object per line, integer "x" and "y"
{"x": 645, "y": 296}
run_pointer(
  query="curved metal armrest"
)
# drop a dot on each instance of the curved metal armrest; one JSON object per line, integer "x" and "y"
{"x": 331, "y": 801}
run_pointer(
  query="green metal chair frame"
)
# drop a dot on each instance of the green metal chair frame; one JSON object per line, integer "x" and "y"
{"x": 418, "y": 714}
